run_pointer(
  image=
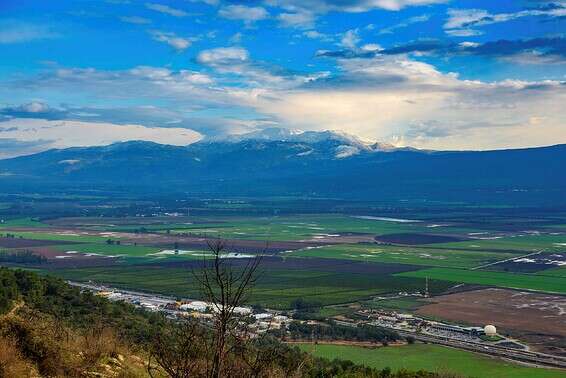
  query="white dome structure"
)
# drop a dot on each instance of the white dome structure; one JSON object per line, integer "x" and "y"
{"x": 490, "y": 330}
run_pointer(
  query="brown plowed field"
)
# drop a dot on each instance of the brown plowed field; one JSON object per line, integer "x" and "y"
{"x": 235, "y": 245}
{"x": 27, "y": 243}
{"x": 536, "y": 318}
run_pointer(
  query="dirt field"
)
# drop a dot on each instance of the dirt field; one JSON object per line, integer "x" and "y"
{"x": 235, "y": 245}
{"x": 417, "y": 239}
{"x": 27, "y": 243}
{"x": 536, "y": 318}
{"x": 57, "y": 259}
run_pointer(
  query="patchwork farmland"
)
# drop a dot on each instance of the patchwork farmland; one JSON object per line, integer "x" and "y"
{"x": 339, "y": 262}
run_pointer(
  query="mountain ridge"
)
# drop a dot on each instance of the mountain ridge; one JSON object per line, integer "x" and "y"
{"x": 326, "y": 165}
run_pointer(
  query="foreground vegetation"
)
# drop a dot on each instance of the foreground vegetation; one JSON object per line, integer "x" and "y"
{"x": 48, "y": 328}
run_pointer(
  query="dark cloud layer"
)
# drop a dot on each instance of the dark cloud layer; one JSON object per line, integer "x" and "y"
{"x": 551, "y": 49}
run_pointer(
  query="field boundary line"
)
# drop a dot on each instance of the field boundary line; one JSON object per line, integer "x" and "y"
{"x": 509, "y": 259}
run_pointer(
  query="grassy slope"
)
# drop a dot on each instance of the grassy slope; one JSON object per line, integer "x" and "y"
{"x": 432, "y": 358}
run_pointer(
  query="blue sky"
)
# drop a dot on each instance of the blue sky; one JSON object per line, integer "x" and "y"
{"x": 435, "y": 74}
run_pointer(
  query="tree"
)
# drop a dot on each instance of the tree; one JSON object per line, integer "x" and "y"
{"x": 179, "y": 350}
{"x": 226, "y": 288}
{"x": 225, "y": 347}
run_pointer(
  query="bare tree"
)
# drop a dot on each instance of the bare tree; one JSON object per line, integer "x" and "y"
{"x": 227, "y": 346}
{"x": 226, "y": 288}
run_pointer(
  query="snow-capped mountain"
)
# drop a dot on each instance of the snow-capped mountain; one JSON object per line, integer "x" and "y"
{"x": 343, "y": 144}
{"x": 277, "y": 162}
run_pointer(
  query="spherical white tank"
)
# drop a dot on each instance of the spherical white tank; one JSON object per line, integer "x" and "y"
{"x": 490, "y": 330}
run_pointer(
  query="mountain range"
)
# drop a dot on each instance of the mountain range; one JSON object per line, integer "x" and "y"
{"x": 280, "y": 162}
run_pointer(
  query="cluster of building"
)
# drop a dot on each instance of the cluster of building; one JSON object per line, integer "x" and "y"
{"x": 415, "y": 324}
{"x": 258, "y": 321}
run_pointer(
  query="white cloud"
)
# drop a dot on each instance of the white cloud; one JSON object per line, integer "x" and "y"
{"x": 299, "y": 20}
{"x": 388, "y": 98}
{"x": 63, "y": 134}
{"x": 407, "y": 102}
{"x": 462, "y": 22}
{"x": 463, "y": 32}
{"x": 248, "y": 15}
{"x": 303, "y": 13}
{"x": 173, "y": 40}
{"x": 236, "y": 38}
{"x": 21, "y": 32}
{"x": 223, "y": 56}
{"x": 193, "y": 89}
{"x": 166, "y": 9}
{"x": 313, "y": 34}
{"x": 353, "y": 6}
{"x": 350, "y": 39}
{"x": 404, "y": 24}
{"x": 395, "y": 5}
{"x": 209, "y": 2}
{"x": 371, "y": 47}
{"x": 135, "y": 20}
{"x": 255, "y": 75}
{"x": 35, "y": 107}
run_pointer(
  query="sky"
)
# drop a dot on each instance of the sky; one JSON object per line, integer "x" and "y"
{"x": 434, "y": 74}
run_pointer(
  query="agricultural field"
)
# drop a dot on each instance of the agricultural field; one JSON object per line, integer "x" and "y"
{"x": 22, "y": 222}
{"x": 431, "y": 358}
{"x": 558, "y": 272}
{"x": 401, "y": 304}
{"x": 427, "y": 256}
{"x": 340, "y": 259}
{"x": 278, "y": 283}
{"x": 548, "y": 284}
{"x": 104, "y": 249}
{"x": 531, "y": 316}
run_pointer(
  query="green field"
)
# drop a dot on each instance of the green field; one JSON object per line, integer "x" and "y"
{"x": 447, "y": 263}
{"x": 428, "y": 256}
{"x": 22, "y": 222}
{"x": 71, "y": 236}
{"x": 431, "y": 358}
{"x": 550, "y": 284}
{"x": 293, "y": 228}
{"x": 276, "y": 287}
{"x": 399, "y": 304}
{"x": 526, "y": 243}
{"x": 557, "y": 272}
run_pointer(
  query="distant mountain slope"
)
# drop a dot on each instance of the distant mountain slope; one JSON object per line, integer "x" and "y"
{"x": 315, "y": 164}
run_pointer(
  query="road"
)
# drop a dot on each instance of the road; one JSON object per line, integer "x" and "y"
{"x": 534, "y": 358}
